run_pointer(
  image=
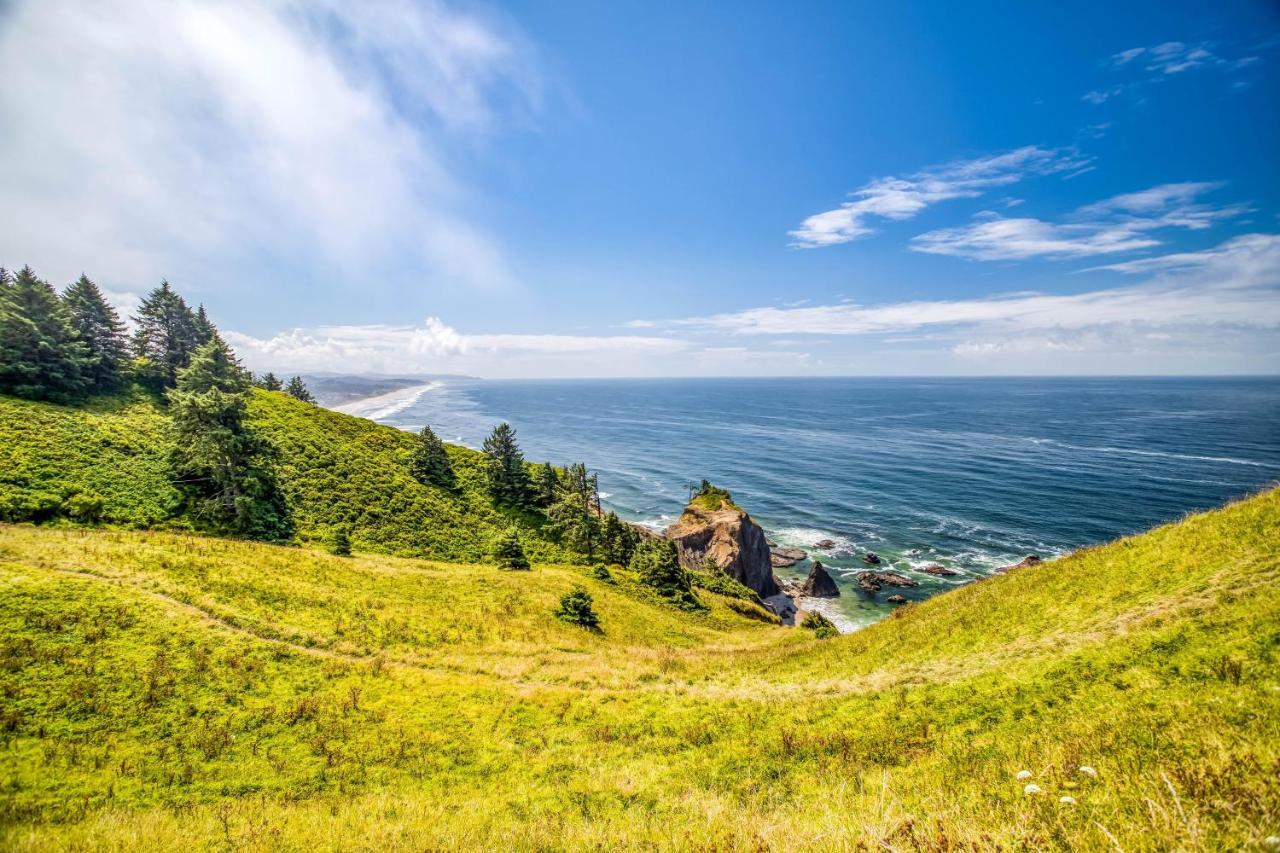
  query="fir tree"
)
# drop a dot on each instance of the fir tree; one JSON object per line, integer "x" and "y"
{"x": 505, "y": 469}
{"x": 658, "y": 564}
{"x": 430, "y": 463}
{"x": 618, "y": 540}
{"x": 205, "y": 331}
{"x": 270, "y": 382}
{"x": 575, "y": 608}
{"x": 298, "y": 390}
{"x": 546, "y": 485}
{"x": 341, "y": 542}
{"x": 98, "y": 327}
{"x": 166, "y": 336}
{"x": 40, "y": 355}
{"x": 220, "y": 464}
{"x": 509, "y": 553}
{"x": 575, "y": 516}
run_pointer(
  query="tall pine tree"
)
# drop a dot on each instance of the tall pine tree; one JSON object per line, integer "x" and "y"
{"x": 166, "y": 336}
{"x": 505, "y": 470}
{"x": 205, "y": 331}
{"x": 98, "y": 327}
{"x": 40, "y": 355}
{"x": 546, "y": 485}
{"x": 269, "y": 382}
{"x": 430, "y": 462}
{"x": 218, "y": 461}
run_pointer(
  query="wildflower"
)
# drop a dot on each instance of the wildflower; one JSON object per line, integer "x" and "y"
{"x": 1032, "y": 789}
{"x": 1024, "y": 775}
{"x": 1086, "y": 770}
{"x": 1067, "y": 801}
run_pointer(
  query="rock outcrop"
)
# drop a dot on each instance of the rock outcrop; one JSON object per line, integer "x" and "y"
{"x": 896, "y": 599}
{"x": 1029, "y": 560}
{"x": 939, "y": 570}
{"x": 729, "y": 538}
{"x": 819, "y": 584}
{"x": 824, "y": 544}
{"x": 871, "y": 559}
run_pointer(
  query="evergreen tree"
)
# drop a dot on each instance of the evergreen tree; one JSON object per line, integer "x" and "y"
{"x": 507, "y": 476}
{"x": 40, "y": 355}
{"x": 575, "y": 516}
{"x": 508, "y": 552}
{"x": 205, "y": 331}
{"x": 166, "y": 336}
{"x": 341, "y": 542}
{"x": 98, "y": 327}
{"x": 546, "y": 485}
{"x": 575, "y": 608}
{"x": 430, "y": 463}
{"x": 298, "y": 390}
{"x": 658, "y": 564}
{"x": 220, "y": 464}
{"x": 618, "y": 540}
{"x": 270, "y": 382}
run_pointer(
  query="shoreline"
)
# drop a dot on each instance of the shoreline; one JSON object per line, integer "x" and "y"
{"x": 386, "y": 404}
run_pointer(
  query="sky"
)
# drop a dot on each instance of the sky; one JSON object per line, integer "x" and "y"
{"x": 532, "y": 189}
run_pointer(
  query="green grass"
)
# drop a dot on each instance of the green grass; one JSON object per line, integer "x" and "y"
{"x": 165, "y": 691}
{"x": 335, "y": 470}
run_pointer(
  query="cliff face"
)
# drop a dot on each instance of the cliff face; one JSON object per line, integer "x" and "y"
{"x": 731, "y": 539}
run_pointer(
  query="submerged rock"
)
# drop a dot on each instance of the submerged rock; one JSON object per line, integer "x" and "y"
{"x": 941, "y": 571}
{"x": 871, "y": 559}
{"x": 819, "y": 584}
{"x": 786, "y": 557}
{"x": 728, "y": 538}
{"x": 824, "y": 544}
{"x": 872, "y": 582}
{"x": 896, "y": 599}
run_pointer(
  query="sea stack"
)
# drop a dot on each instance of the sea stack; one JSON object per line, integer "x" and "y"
{"x": 819, "y": 584}
{"x": 714, "y": 528}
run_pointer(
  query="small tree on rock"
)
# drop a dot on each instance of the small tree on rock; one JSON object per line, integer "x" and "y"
{"x": 509, "y": 553}
{"x": 575, "y": 608}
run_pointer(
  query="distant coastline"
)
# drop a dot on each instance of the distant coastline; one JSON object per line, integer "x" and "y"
{"x": 386, "y": 404}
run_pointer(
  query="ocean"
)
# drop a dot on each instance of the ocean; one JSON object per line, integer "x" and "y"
{"x": 973, "y": 474}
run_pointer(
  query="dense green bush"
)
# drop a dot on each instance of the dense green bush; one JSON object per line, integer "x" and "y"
{"x": 575, "y": 608}
{"x": 821, "y": 626}
{"x": 658, "y": 565}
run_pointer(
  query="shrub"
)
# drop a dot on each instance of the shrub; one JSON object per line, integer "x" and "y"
{"x": 601, "y": 573}
{"x": 713, "y": 579}
{"x": 821, "y": 626}
{"x": 508, "y": 552}
{"x": 752, "y": 611}
{"x": 575, "y": 608}
{"x": 84, "y": 506}
{"x": 658, "y": 565}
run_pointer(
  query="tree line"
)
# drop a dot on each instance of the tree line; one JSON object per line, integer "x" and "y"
{"x": 66, "y": 346}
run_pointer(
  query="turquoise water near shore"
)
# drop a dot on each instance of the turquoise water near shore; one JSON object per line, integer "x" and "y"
{"x": 970, "y": 473}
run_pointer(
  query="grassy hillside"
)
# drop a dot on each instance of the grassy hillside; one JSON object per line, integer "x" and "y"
{"x": 163, "y": 690}
{"x": 334, "y": 470}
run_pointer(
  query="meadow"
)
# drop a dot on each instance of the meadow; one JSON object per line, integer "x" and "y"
{"x": 164, "y": 690}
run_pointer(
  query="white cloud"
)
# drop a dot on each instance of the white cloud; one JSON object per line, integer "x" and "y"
{"x": 197, "y": 138}
{"x": 1159, "y": 62}
{"x": 1122, "y": 223}
{"x": 434, "y": 347}
{"x": 902, "y": 198}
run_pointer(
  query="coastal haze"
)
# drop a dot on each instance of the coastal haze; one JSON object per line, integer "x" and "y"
{"x": 972, "y": 474}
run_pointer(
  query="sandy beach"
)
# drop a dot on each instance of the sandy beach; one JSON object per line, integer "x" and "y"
{"x": 385, "y": 405}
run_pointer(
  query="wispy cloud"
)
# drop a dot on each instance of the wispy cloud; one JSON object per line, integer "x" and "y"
{"x": 902, "y": 198}
{"x": 1236, "y": 284}
{"x": 1158, "y": 62}
{"x": 235, "y": 136}
{"x": 1122, "y": 223}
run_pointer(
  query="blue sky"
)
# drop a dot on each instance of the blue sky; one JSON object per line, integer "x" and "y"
{"x": 638, "y": 189}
